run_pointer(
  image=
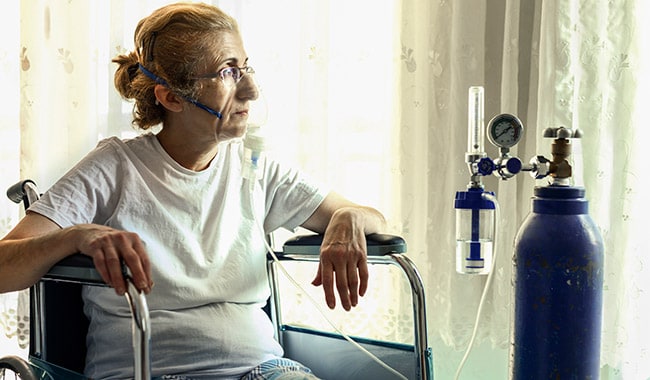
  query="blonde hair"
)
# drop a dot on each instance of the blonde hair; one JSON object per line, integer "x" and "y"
{"x": 172, "y": 43}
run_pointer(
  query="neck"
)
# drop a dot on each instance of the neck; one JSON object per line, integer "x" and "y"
{"x": 191, "y": 152}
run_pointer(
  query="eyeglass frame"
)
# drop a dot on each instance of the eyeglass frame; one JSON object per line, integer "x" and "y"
{"x": 246, "y": 70}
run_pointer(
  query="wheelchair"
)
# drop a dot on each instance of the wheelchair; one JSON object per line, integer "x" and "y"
{"x": 58, "y": 325}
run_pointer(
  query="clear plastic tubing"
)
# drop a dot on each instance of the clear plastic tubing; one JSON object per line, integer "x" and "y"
{"x": 475, "y": 120}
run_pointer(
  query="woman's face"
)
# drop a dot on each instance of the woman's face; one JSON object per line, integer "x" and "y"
{"x": 222, "y": 92}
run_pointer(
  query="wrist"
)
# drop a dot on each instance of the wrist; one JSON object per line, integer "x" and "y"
{"x": 367, "y": 219}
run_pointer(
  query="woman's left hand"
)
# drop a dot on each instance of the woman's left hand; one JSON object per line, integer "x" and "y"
{"x": 343, "y": 259}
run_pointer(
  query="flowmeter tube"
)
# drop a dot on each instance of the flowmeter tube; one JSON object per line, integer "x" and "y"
{"x": 475, "y": 120}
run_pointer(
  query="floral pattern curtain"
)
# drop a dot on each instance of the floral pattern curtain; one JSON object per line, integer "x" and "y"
{"x": 599, "y": 67}
{"x": 13, "y": 323}
{"x": 318, "y": 73}
{"x": 578, "y": 64}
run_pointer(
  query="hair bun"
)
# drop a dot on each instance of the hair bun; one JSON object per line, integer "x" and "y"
{"x": 133, "y": 70}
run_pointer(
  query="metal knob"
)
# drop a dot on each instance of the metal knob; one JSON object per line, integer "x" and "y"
{"x": 540, "y": 167}
{"x": 562, "y": 133}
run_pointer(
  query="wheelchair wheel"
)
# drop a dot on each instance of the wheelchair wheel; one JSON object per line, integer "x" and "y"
{"x": 14, "y": 367}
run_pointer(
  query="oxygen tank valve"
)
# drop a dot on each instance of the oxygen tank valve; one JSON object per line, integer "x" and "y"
{"x": 559, "y": 167}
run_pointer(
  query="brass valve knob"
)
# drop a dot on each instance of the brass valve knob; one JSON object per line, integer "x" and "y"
{"x": 561, "y": 150}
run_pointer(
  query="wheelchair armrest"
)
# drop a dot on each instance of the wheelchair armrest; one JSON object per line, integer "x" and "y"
{"x": 377, "y": 244}
{"x": 77, "y": 268}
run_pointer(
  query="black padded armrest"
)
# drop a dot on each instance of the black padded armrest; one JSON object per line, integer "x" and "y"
{"x": 377, "y": 244}
{"x": 75, "y": 268}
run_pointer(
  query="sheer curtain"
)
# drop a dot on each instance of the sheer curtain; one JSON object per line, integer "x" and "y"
{"x": 600, "y": 71}
{"x": 370, "y": 97}
{"x": 576, "y": 63}
{"x": 446, "y": 48}
{"x": 328, "y": 113}
{"x": 13, "y": 335}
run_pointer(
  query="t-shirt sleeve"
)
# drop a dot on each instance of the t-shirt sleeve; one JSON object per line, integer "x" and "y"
{"x": 291, "y": 197}
{"x": 85, "y": 193}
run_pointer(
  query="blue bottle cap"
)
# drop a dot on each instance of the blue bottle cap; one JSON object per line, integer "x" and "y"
{"x": 473, "y": 199}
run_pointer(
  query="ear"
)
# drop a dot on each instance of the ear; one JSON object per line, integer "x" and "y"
{"x": 168, "y": 98}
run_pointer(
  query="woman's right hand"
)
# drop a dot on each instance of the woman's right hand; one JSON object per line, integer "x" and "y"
{"x": 37, "y": 243}
{"x": 108, "y": 248}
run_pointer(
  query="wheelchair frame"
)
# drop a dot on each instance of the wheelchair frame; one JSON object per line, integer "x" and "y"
{"x": 77, "y": 270}
{"x": 381, "y": 249}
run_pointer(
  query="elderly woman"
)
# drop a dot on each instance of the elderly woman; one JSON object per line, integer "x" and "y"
{"x": 175, "y": 208}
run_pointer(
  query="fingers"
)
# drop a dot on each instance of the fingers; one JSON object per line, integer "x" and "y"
{"x": 318, "y": 281}
{"x": 114, "y": 270}
{"x": 110, "y": 250}
{"x": 344, "y": 286}
{"x": 353, "y": 284}
{"x": 347, "y": 270}
{"x": 137, "y": 260}
{"x": 327, "y": 279}
{"x": 364, "y": 275}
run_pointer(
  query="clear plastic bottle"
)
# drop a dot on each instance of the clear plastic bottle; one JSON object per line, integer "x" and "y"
{"x": 474, "y": 232}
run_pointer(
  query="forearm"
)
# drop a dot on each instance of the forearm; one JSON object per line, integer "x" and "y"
{"x": 336, "y": 210}
{"x": 23, "y": 261}
{"x": 36, "y": 244}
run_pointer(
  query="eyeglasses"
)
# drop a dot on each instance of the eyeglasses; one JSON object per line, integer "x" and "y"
{"x": 230, "y": 75}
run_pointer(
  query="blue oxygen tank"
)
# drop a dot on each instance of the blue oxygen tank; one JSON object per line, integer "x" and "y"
{"x": 558, "y": 281}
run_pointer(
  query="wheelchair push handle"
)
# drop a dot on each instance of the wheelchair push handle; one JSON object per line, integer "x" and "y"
{"x": 23, "y": 191}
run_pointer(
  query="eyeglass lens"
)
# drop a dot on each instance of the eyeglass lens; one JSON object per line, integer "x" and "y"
{"x": 232, "y": 75}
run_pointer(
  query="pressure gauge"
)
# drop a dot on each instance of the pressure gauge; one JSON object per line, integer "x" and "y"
{"x": 505, "y": 130}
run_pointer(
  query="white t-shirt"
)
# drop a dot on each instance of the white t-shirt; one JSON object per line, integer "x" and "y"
{"x": 207, "y": 253}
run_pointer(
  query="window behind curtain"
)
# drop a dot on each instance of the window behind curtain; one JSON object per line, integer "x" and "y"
{"x": 327, "y": 70}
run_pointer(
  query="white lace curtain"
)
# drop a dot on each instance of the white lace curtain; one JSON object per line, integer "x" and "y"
{"x": 311, "y": 60}
{"x": 580, "y": 64}
{"x": 371, "y": 97}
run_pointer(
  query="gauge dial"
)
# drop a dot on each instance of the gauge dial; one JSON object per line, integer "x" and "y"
{"x": 505, "y": 130}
